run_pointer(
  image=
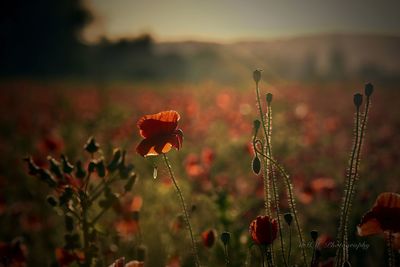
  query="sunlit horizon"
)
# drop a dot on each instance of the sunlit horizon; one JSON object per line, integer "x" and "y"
{"x": 220, "y": 21}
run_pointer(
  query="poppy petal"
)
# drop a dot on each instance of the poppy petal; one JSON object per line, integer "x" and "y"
{"x": 384, "y": 216}
{"x": 159, "y": 145}
{"x": 161, "y": 123}
{"x": 369, "y": 226}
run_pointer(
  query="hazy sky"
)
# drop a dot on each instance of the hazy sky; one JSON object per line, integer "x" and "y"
{"x": 230, "y": 20}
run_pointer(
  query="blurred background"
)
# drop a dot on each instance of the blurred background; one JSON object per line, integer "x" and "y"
{"x": 191, "y": 41}
{"x": 71, "y": 69}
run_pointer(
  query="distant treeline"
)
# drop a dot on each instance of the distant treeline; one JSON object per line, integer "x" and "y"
{"x": 40, "y": 39}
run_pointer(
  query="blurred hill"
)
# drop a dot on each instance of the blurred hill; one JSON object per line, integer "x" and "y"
{"x": 42, "y": 40}
{"x": 309, "y": 58}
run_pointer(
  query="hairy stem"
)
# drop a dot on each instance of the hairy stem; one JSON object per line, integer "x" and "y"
{"x": 184, "y": 209}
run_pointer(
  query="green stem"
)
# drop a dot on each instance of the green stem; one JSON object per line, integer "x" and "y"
{"x": 262, "y": 255}
{"x": 292, "y": 203}
{"x": 290, "y": 245}
{"x": 178, "y": 190}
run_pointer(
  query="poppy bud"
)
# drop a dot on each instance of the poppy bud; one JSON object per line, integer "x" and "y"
{"x": 80, "y": 172}
{"x": 225, "y": 237}
{"x": 288, "y": 218}
{"x": 269, "y": 98}
{"x": 257, "y": 76}
{"x": 66, "y": 195}
{"x": 369, "y": 89}
{"x": 46, "y": 177}
{"x": 357, "y": 100}
{"x": 91, "y": 145}
{"x": 67, "y": 166}
{"x": 208, "y": 238}
{"x": 55, "y": 167}
{"x": 101, "y": 169}
{"x": 314, "y": 235}
{"x": 132, "y": 179}
{"x": 69, "y": 223}
{"x": 52, "y": 201}
{"x": 113, "y": 165}
{"x": 92, "y": 166}
{"x": 33, "y": 168}
{"x": 256, "y": 165}
{"x": 263, "y": 230}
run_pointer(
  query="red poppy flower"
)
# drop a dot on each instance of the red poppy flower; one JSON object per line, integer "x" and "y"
{"x": 263, "y": 230}
{"x": 65, "y": 257}
{"x": 383, "y": 217}
{"x": 208, "y": 238}
{"x": 160, "y": 132}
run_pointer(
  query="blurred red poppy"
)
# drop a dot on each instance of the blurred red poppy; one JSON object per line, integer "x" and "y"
{"x": 263, "y": 230}
{"x": 160, "y": 132}
{"x": 65, "y": 257}
{"x": 383, "y": 217}
{"x": 208, "y": 238}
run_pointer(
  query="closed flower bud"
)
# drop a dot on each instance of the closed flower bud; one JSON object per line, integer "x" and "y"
{"x": 33, "y": 168}
{"x": 67, "y": 166}
{"x": 113, "y": 165}
{"x": 288, "y": 218}
{"x": 52, "y": 201}
{"x": 66, "y": 195}
{"x": 46, "y": 177}
{"x": 314, "y": 235}
{"x": 101, "y": 169}
{"x": 269, "y": 98}
{"x": 80, "y": 172}
{"x": 358, "y": 100}
{"x": 263, "y": 230}
{"x": 208, "y": 238}
{"x": 257, "y": 76}
{"x": 91, "y": 145}
{"x": 132, "y": 179}
{"x": 92, "y": 165}
{"x": 369, "y": 89}
{"x": 225, "y": 237}
{"x": 256, "y": 165}
{"x": 55, "y": 167}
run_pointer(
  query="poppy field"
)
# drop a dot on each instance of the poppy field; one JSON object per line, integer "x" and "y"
{"x": 199, "y": 174}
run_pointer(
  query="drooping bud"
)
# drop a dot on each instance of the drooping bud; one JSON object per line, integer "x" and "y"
{"x": 66, "y": 195}
{"x": 91, "y": 145}
{"x": 357, "y": 100}
{"x": 33, "y": 168}
{"x": 101, "y": 169}
{"x": 55, "y": 167}
{"x": 113, "y": 165}
{"x": 52, "y": 201}
{"x": 225, "y": 237}
{"x": 131, "y": 181}
{"x": 369, "y": 89}
{"x": 256, "y": 165}
{"x": 288, "y": 218}
{"x": 67, "y": 166}
{"x": 269, "y": 98}
{"x": 80, "y": 172}
{"x": 46, "y": 177}
{"x": 92, "y": 166}
{"x": 257, "y": 76}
